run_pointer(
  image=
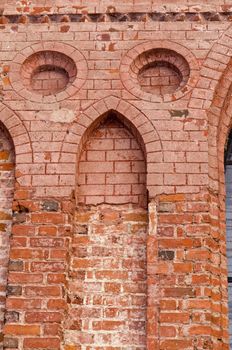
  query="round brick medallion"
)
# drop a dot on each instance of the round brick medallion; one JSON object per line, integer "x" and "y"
{"x": 159, "y": 71}
{"x": 48, "y": 72}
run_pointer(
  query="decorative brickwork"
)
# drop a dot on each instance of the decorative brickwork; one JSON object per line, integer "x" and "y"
{"x": 153, "y": 72}
{"x": 44, "y": 73}
{"x": 114, "y": 121}
{"x": 45, "y": 15}
{"x": 48, "y": 72}
{"x": 112, "y": 168}
{"x": 162, "y": 72}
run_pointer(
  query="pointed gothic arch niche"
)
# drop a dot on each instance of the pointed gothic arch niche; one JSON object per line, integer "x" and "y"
{"x": 112, "y": 163}
{"x": 7, "y": 182}
{"x": 108, "y": 277}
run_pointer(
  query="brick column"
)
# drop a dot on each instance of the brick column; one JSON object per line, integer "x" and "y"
{"x": 37, "y": 273}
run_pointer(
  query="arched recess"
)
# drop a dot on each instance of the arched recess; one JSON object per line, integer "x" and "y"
{"x": 212, "y": 94}
{"x": 18, "y": 133}
{"x": 151, "y": 140}
{"x": 107, "y": 287}
{"x": 112, "y": 163}
{"x": 220, "y": 129}
{"x": 15, "y": 149}
{"x": 212, "y": 89}
{"x": 217, "y": 77}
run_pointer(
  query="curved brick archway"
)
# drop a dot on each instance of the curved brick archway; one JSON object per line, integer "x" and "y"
{"x": 211, "y": 94}
{"x": 214, "y": 90}
{"x": 214, "y": 87}
{"x": 213, "y": 70}
{"x": 220, "y": 124}
{"x": 18, "y": 133}
{"x": 112, "y": 164}
{"x": 111, "y": 189}
{"x": 223, "y": 129}
{"x": 145, "y": 129}
{"x": 151, "y": 144}
{"x": 22, "y": 148}
{"x": 15, "y": 147}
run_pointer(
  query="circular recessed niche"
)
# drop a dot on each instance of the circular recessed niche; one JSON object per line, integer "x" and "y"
{"x": 49, "y": 72}
{"x": 162, "y": 71}
{"x": 159, "y": 74}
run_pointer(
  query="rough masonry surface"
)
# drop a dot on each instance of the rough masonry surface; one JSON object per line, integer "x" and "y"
{"x": 115, "y": 119}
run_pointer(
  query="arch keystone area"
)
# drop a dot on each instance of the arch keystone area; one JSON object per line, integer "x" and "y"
{"x": 90, "y": 115}
{"x": 18, "y": 133}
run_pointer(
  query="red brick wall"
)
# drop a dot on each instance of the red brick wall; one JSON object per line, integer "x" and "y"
{"x": 36, "y": 276}
{"x": 159, "y": 80}
{"x": 80, "y": 177}
{"x": 7, "y": 160}
{"x": 112, "y": 167}
{"x": 107, "y": 288}
{"x": 107, "y": 279}
{"x": 185, "y": 253}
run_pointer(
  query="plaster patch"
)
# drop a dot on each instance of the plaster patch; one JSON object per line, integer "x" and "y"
{"x": 62, "y": 115}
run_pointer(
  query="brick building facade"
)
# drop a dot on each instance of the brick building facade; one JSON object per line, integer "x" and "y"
{"x": 115, "y": 118}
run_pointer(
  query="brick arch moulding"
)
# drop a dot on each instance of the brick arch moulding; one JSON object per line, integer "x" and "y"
{"x": 112, "y": 162}
{"x": 15, "y": 149}
{"x": 150, "y": 138}
{"x": 18, "y": 133}
{"x": 219, "y": 129}
{"x": 48, "y": 72}
{"x": 211, "y": 92}
{"x": 159, "y": 71}
{"x": 214, "y": 91}
{"x": 110, "y": 298}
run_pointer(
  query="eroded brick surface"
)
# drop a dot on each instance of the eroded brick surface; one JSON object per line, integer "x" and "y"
{"x": 107, "y": 288}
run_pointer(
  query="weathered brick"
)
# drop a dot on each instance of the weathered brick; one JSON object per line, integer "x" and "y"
{"x": 44, "y": 343}
{"x": 10, "y": 342}
{"x": 22, "y": 330}
{"x": 89, "y": 134}
{"x": 38, "y": 317}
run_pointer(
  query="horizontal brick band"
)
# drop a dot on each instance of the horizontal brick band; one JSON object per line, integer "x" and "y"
{"x": 119, "y": 17}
